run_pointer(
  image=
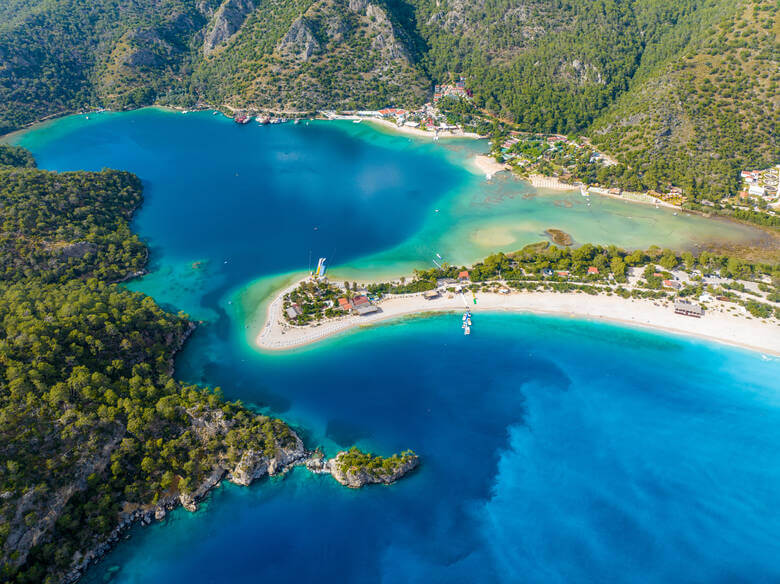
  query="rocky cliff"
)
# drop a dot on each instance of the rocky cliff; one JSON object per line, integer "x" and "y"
{"x": 252, "y": 465}
{"x": 230, "y": 16}
{"x": 299, "y": 41}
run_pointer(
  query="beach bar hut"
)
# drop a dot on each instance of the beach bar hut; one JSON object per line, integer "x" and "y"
{"x": 431, "y": 294}
{"x": 688, "y": 308}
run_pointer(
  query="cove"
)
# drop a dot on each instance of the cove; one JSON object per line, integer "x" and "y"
{"x": 229, "y": 208}
{"x": 553, "y": 450}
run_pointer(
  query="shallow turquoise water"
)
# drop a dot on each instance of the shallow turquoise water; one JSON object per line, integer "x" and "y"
{"x": 553, "y": 450}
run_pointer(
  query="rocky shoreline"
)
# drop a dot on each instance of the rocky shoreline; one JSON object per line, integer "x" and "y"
{"x": 252, "y": 466}
{"x": 355, "y": 478}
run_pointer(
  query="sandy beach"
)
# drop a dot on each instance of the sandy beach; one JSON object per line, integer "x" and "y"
{"x": 489, "y": 165}
{"x": 550, "y": 182}
{"x": 408, "y": 130}
{"x": 718, "y": 324}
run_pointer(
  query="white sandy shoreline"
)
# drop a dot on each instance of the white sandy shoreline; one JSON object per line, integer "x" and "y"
{"x": 489, "y": 165}
{"x": 717, "y": 324}
{"x": 407, "y": 130}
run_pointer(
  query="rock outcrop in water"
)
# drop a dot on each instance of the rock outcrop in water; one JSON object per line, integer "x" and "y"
{"x": 354, "y": 469}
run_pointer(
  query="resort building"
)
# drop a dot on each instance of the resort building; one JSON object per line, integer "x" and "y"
{"x": 464, "y": 275}
{"x": 431, "y": 294}
{"x": 688, "y": 308}
{"x": 364, "y": 309}
{"x": 457, "y": 90}
{"x": 293, "y": 311}
{"x": 344, "y": 304}
{"x": 593, "y": 270}
{"x": 360, "y": 301}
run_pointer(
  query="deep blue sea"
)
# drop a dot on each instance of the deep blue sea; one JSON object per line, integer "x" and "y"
{"x": 553, "y": 450}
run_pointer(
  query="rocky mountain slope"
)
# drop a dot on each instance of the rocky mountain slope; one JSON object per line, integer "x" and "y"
{"x": 665, "y": 85}
{"x": 706, "y": 112}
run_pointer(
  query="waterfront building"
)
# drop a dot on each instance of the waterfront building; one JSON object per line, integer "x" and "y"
{"x": 688, "y": 308}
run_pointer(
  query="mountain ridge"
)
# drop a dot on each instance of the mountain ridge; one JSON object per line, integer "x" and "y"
{"x": 624, "y": 72}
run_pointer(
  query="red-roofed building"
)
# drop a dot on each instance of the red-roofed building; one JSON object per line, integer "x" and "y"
{"x": 392, "y": 111}
{"x": 344, "y": 304}
{"x": 360, "y": 300}
{"x": 671, "y": 284}
{"x": 593, "y": 270}
{"x": 464, "y": 275}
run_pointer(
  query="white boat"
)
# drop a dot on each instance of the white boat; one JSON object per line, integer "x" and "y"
{"x": 356, "y": 121}
{"x": 583, "y": 191}
{"x": 467, "y": 331}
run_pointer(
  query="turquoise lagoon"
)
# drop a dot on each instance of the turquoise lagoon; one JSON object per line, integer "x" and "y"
{"x": 554, "y": 450}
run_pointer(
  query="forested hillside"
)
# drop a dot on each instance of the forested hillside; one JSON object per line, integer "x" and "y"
{"x": 298, "y": 55}
{"x": 682, "y": 91}
{"x": 93, "y": 427}
{"x": 61, "y": 55}
{"x": 701, "y": 115}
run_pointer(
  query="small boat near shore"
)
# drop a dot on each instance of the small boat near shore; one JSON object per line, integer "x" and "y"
{"x": 241, "y": 119}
